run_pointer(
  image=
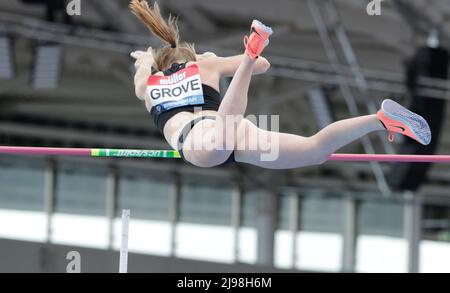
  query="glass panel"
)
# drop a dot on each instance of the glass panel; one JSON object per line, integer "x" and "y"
{"x": 81, "y": 190}
{"x": 150, "y": 237}
{"x": 17, "y": 225}
{"x": 381, "y": 254}
{"x": 22, "y": 201}
{"x": 283, "y": 249}
{"x": 319, "y": 243}
{"x": 87, "y": 231}
{"x": 319, "y": 251}
{"x": 283, "y": 235}
{"x": 381, "y": 218}
{"x": 321, "y": 215}
{"x": 148, "y": 198}
{"x": 205, "y": 242}
{"x": 198, "y": 235}
{"x": 435, "y": 248}
{"x": 80, "y": 207}
{"x": 436, "y": 223}
{"x": 434, "y": 257}
{"x": 22, "y": 187}
{"x": 283, "y": 212}
{"x": 145, "y": 197}
{"x": 380, "y": 243}
{"x": 247, "y": 245}
{"x": 203, "y": 204}
{"x": 249, "y": 209}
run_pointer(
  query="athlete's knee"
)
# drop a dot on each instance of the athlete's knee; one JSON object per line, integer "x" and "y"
{"x": 206, "y": 159}
{"x": 318, "y": 153}
{"x": 197, "y": 158}
{"x": 321, "y": 159}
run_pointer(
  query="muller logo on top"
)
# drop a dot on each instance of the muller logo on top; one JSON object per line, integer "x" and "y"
{"x": 174, "y": 78}
{"x": 176, "y": 90}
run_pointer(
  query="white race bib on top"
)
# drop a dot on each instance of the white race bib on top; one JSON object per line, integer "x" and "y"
{"x": 180, "y": 89}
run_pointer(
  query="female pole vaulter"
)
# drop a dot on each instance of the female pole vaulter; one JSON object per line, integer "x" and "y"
{"x": 182, "y": 95}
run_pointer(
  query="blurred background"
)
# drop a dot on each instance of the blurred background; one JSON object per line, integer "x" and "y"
{"x": 67, "y": 81}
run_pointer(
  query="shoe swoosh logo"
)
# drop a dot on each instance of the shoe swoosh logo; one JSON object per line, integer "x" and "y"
{"x": 254, "y": 31}
{"x": 399, "y": 127}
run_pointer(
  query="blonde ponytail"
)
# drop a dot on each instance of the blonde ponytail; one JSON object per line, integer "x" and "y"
{"x": 151, "y": 17}
{"x": 166, "y": 31}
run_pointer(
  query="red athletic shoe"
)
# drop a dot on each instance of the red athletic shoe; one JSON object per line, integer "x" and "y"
{"x": 397, "y": 118}
{"x": 258, "y": 39}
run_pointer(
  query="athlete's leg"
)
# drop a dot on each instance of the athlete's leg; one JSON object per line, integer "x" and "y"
{"x": 234, "y": 103}
{"x": 235, "y": 100}
{"x": 218, "y": 138}
{"x": 293, "y": 151}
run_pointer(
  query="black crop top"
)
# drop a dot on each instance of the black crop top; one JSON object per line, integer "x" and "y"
{"x": 211, "y": 96}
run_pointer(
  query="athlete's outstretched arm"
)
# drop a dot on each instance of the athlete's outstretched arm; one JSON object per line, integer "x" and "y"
{"x": 227, "y": 66}
{"x": 143, "y": 65}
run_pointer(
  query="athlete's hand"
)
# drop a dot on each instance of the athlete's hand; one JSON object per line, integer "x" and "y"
{"x": 143, "y": 64}
{"x": 143, "y": 58}
{"x": 206, "y": 55}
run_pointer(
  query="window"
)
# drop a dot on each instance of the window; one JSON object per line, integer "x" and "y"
{"x": 80, "y": 209}
{"x": 205, "y": 231}
{"x": 148, "y": 198}
{"x": 22, "y": 201}
{"x": 380, "y": 245}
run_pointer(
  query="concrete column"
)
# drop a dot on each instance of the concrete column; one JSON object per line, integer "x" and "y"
{"x": 111, "y": 204}
{"x": 413, "y": 229}
{"x": 236, "y": 219}
{"x": 174, "y": 210}
{"x": 49, "y": 196}
{"x": 266, "y": 223}
{"x": 350, "y": 234}
{"x": 294, "y": 207}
